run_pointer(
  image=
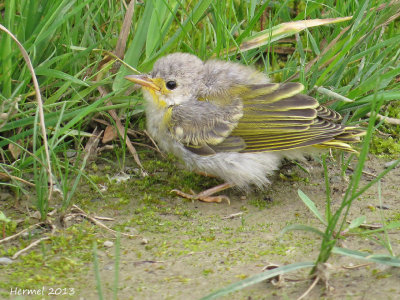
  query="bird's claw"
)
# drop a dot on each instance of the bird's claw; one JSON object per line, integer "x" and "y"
{"x": 202, "y": 197}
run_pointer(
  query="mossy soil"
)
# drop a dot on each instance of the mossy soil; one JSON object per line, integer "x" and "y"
{"x": 185, "y": 249}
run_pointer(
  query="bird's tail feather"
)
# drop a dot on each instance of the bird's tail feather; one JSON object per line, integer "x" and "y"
{"x": 345, "y": 140}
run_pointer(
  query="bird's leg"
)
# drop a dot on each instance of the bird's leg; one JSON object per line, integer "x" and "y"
{"x": 205, "y": 174}
{"x": 206, "y": 196}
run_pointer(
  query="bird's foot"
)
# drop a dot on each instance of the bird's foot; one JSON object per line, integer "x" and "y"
{"x": 206, "y": 196}
{"x": 209, "y": 199}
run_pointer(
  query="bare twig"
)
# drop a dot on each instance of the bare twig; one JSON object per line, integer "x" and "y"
{"x": 104, "y": 218}
{"x": 123, "y": 35}
{"x": 11, "y": 237}
{"x": 18, "y": 253}
{"x": 364, "y": 172}
{"x": 8, "y": 176}
{"x": 392, "y": 121}
{"x": 310, "y": 288}
{"x": 232, "y": 216}
{"x": 278, "y": 280}
{"x": 97, "y": 222}
{"x": 140, "y": 262}
{"x": 357, "y": 266}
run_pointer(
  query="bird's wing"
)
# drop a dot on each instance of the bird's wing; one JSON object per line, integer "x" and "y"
{"x": 278, "y": 117}
{"x": 261, "y": 117}
{"x": 204, "y": 127}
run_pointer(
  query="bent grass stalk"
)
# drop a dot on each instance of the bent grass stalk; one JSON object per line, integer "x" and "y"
{"x": 42, "y": 189}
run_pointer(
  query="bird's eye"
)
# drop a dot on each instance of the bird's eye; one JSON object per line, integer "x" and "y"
{"x": 171, "y": 85}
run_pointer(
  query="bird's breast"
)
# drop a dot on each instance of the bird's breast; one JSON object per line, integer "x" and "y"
{"x": 156, "y": 126}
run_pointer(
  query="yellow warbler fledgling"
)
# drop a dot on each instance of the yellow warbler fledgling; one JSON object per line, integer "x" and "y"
{"x": 228, "y": 120}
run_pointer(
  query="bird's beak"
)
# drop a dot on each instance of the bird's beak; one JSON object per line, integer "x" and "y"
{"x": 144, "y": 81}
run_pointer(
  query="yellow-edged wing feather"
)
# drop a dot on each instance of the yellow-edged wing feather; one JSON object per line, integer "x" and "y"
{"x": 258, "y": 118}
{"x": 285, "y": 119}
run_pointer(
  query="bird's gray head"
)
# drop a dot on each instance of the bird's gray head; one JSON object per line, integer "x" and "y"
{"x": 180, "y": 76}
{"x": 175, "y": 79}
{"x": 194, "y": 77}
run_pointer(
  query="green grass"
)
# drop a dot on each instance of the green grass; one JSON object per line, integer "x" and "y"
{"x": 67, "y": 42}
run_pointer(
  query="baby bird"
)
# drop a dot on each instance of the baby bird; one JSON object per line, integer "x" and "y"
{"x": 228, "y": 120}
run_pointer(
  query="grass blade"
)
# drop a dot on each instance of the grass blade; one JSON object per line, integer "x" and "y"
{"x": 357, "y": 222}
{"x": 311, "y": 205}
{"x": 97, "y": 271}
{"x": 302, "y": 227}
{"x": 258, "y": 278}
{"x": 282, "y": 31}
{"x": 377, "y": 258}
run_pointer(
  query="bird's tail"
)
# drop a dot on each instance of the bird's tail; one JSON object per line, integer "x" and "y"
{"x": 345, "y": 140}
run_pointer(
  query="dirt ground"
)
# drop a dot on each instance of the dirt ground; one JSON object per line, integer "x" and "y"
{"x": 186, "y": 250}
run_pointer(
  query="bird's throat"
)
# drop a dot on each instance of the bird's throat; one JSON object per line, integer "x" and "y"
{"x": 158, "y": 101}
